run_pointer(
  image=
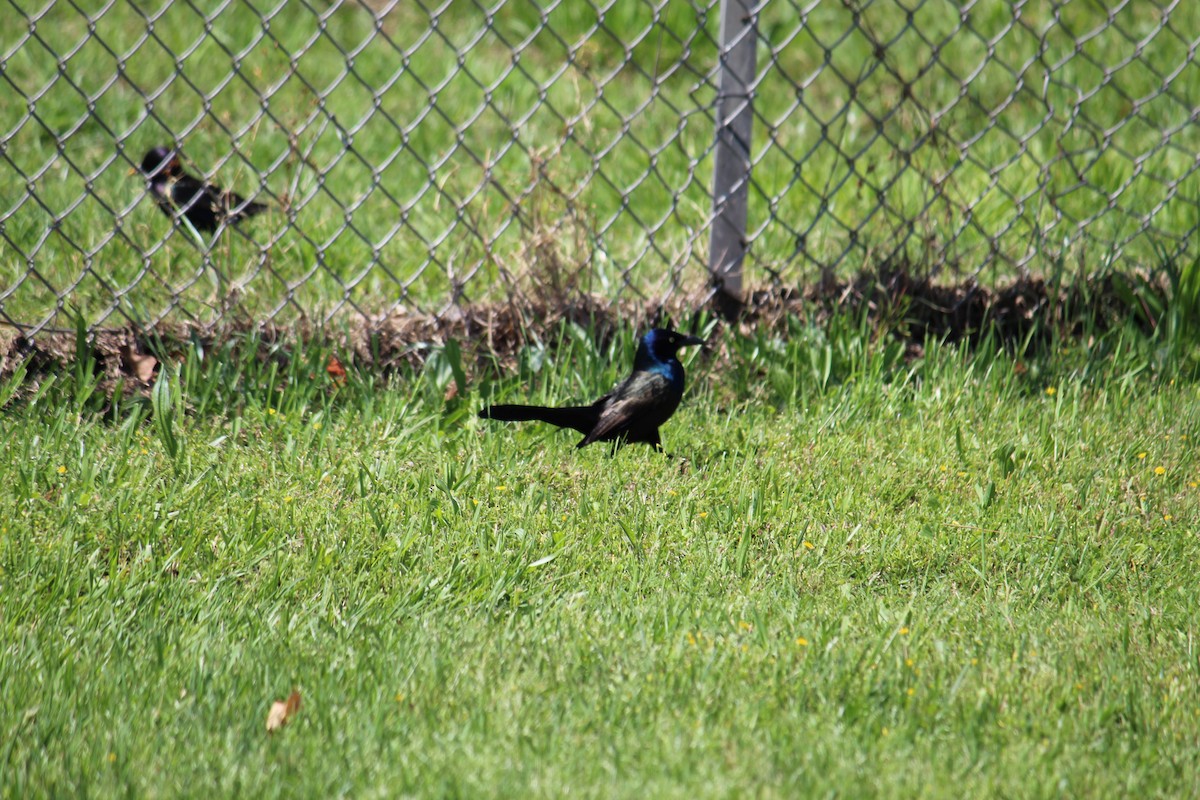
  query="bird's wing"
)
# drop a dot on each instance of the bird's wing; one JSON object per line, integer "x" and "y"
{"x": 188, "y": 193}
{"x": 635, "y": 399}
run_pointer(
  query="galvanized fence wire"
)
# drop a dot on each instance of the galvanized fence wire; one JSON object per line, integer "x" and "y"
{"x": 988, "y": 138}
{"x": 418, "y": 157}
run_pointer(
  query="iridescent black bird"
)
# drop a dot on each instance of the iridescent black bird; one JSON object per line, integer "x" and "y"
{"x": 634, "y": 410}
{"x": 204, "y": 205}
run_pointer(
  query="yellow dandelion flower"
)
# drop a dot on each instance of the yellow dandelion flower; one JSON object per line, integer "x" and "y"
{"x": 145, "y": 452}
{"x": 1167, "y": 517}
{"x": 1160, "y": 470}
{"x": 908, "y": 662}
{"x": 885, "y": 731}
{"x": 801, "y": 641}
{"x": 808, "y": 545}
{"x": 974, "y": 661}
{"x": 703, "y": 514}
{"x": 399, "y": 697}
{"x": 746, "y": 626}
{"x": 943, "y": 467}
{"x": 475, "y": 500}
{"x": 501, "y": 488}
{"x": 1051, "y": 391}
{"x": 1142, "y": 455}
{"x": 316, "y": 426}
{"x": 62, "y": 470}
{"x": 911, "y": 691}
{"x": 904, "y": 631}
{"x": 112, "y": 757}
{"x": 271, "y": 412}
{"x": 1193, "y": 484}
{"x": 691, "y": 637}
{"x": 287, "y": 499}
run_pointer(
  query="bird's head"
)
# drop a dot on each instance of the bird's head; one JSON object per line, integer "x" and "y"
{"x": 662, "y": 344}
{"x": 161, "y": 162}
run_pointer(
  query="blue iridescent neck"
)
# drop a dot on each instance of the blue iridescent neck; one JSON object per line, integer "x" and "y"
{"x": 647, "y": 360}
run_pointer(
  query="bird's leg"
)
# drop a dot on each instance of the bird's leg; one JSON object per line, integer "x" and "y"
{"x": 656, "y": 443}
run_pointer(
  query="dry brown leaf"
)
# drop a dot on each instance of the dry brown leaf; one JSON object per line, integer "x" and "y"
{"x": 451, "y": 392}
{"x": 336, "y": 371}
{"x": 282, "y": 711}
{"x": 140, "y": 364}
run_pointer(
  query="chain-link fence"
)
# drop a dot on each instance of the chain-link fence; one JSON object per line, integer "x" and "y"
{"x": 420, "y": 155}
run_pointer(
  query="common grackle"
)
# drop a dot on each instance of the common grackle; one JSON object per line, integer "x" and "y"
{"x": 634, "y": 410}
{"x": 206, "y": 206}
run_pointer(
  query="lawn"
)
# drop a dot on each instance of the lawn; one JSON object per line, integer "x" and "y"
{"x": 869, "y": 568}
{"x": 959, "y": 575}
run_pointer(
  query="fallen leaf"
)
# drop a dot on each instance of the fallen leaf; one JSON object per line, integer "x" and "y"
{"x": 282, "y": 711}
{"x": 140, "y": 364}
{"x": 336, "y": 371}
{"x": 276, "y": 716}
{"x": 293, "y": 702}
{"x": 451, "y": 392}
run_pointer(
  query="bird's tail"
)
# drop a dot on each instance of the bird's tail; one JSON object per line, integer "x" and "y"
{"x": 245, "y": 210}
{"x": 580, "y": 418}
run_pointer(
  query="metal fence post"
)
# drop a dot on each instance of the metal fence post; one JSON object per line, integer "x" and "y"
{"x": 731, "y": 170}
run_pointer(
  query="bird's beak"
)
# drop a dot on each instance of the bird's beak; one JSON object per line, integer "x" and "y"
{"x": 690, "y": 340}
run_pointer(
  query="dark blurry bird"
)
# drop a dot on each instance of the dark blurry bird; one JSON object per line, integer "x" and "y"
{"x": 634, "y": 410}
{"x": 204, "y": 205}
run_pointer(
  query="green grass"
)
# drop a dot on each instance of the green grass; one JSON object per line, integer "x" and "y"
{"x": 608, "y": 173}
{"x": 952, "y": 577}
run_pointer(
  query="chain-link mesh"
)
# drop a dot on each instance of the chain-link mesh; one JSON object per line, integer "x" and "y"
{"x": 421, "y": 156}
